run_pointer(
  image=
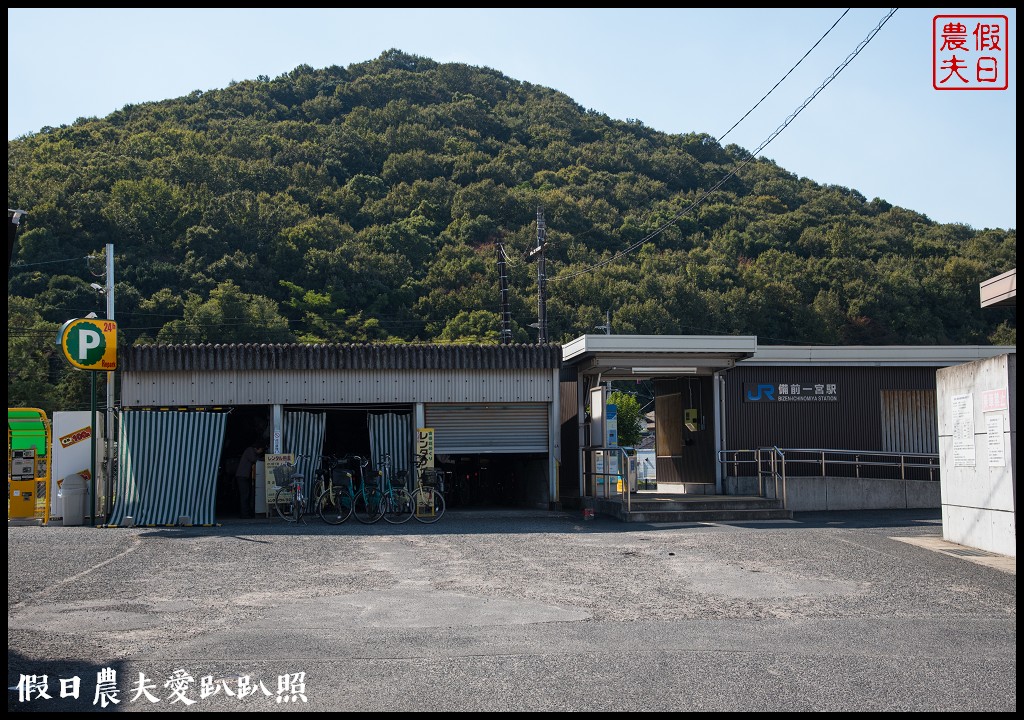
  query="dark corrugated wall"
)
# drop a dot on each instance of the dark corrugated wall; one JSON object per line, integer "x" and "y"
{"x": 854, "y": 422}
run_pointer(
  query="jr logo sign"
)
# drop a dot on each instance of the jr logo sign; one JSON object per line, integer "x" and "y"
{"x": 789, "y": 392}
{"x": 758, "y": 392}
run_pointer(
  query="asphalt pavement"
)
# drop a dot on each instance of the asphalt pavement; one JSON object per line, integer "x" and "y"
{"x": 511, "y": 610}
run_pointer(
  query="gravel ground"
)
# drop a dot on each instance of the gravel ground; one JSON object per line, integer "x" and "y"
{"x": 512, "y": 611}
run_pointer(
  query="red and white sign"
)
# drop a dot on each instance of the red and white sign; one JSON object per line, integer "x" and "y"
{"x": 992, "y": 400}
{"x": 75, "y": 437}
{"x": 970, "y": 52}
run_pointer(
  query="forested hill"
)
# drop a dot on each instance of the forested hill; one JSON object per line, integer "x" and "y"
{"x": 368, "y": 202}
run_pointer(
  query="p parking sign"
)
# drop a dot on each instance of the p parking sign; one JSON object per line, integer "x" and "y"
{"x": 89, "y": 344}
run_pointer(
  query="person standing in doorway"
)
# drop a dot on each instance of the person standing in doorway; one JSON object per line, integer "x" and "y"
{"x": 245, "y": 479}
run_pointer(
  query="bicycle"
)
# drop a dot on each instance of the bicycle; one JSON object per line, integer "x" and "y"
{"x": 323, "y": 475}
{"x": 397, "y": 501}
{"x": 368, "y": 504}
{"x": 289, "y": 500}
{"x": 335, "y": 500}
{"x": 428, "y": 502}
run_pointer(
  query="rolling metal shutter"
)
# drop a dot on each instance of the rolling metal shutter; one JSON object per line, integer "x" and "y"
{"x": 488, "y": 428}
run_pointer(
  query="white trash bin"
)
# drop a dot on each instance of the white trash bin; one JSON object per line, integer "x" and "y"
{"x": 73, "y": 492}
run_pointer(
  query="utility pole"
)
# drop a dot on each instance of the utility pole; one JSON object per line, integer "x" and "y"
{"x": 506, "y": 323}
{"x": 108, "y": 424}
{"x": 542, "y": 279}
{"x": 607, "y": 327}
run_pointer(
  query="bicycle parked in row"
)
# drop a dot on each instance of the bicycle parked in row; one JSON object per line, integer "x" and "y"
{"x": 336, "y": 497}
{"x": 290, "y": 502}
{"x": 428, "y": 500}
{"x": 367, "y": 506}
{"x": 348, "y": 486}
{"x": 397, "y": 500}
{"x": 379, "y": 497}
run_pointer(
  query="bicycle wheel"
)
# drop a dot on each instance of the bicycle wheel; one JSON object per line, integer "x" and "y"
{"x": 318, "y": 490}
{"x": 428, "y": 505}
{"x": 284, "y": 502}
{"x": 368, "y": 507}
{"x": 398, "y": 507}
{"x": 334, "y": 506}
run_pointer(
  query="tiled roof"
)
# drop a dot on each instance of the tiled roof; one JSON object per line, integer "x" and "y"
{"x": 340, "y": 356}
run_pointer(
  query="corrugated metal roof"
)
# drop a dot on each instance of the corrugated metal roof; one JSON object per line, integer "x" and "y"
{"x": 340, "y": 356}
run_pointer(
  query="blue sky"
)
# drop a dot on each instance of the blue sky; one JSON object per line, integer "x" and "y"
{"x": 878, "y": 127}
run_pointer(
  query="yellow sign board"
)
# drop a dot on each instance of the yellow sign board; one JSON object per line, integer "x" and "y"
{"x": 424, "y": 449}
{"x": 89, "y": 344}
{"x": 271, "y": 462}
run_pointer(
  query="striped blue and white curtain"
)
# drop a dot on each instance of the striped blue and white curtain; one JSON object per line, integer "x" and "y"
{"x": 167, "y": 466}
{"x": 304, "y": 435}
{"x": 391, "y": 433}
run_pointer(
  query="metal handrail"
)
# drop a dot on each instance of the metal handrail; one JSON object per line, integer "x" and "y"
{"x": 776, "y": 462}
{"x": 825, "y": 457}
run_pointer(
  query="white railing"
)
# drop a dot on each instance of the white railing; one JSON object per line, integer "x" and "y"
{"x": 740, "y": 463}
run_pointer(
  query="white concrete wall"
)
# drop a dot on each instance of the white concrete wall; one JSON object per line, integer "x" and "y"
{"x": 979, "y": 493}
{"x": 815, "y": 494}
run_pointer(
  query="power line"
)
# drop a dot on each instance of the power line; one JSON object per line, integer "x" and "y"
{"x": 743, "y": 164}
{"x": 783, "y": 77}
{"x": 19, "y": 265}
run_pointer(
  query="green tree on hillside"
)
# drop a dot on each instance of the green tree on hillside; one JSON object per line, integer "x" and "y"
{"x": 365, "y": 203}
{"x": 229, "y": 316}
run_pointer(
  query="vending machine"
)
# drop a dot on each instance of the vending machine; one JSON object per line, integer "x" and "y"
{"x": 28, "y": 463}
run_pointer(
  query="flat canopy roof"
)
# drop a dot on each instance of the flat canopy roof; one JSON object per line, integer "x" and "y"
{"x": 875, "y": 355}
{"x": 639, "y": 356}
{"x": 618, "y": 357}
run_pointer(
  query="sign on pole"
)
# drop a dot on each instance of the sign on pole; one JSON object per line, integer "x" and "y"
{"x": 89, "y": 344}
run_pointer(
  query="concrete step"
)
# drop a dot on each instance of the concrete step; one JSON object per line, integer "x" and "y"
{"x": 704, "y": 515}
{"x": 705, "y": 503}
{"x": 651, "y": 507}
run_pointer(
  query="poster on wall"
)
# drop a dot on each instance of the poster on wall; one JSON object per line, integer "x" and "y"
{"x": 996, "y": 444}
{"x": 963, "y": 430}
{"x": 611, "y": 425}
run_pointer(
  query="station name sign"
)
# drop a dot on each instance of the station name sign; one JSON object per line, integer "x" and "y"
{"x": 790, "y": 392}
